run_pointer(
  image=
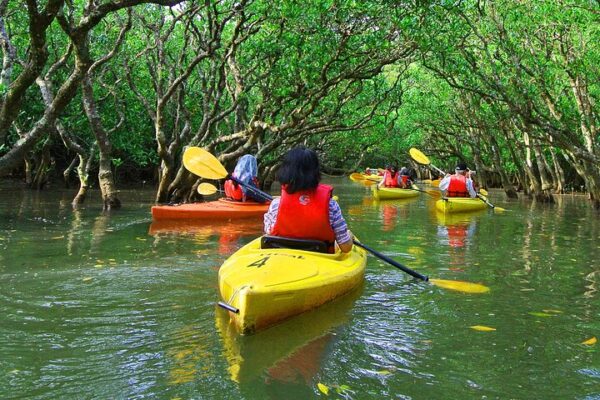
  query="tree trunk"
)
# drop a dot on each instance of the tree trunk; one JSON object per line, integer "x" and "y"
{"x": 106, "y": 180}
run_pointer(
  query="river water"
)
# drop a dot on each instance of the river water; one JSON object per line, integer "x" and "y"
{"x": 97, "y": 305}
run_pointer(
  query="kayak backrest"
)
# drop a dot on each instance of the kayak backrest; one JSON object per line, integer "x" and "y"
{"x": 280, "y": 242}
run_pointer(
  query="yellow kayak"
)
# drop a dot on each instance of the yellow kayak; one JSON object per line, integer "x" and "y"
{"x": 460, "y": 204}
{"x": 394, "y": 193}
{"x": 262, "y": 287}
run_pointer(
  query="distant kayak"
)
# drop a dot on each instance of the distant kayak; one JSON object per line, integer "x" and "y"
{"x": 267, "y": 286}
{"x": 221, "y": 209}
{"x": 394, "y": 193}
{"x": 434, "y": 182}
{"x": 460, "y": 204}
{"x": 357, "y": 177}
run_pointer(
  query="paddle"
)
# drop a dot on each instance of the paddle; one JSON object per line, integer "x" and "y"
{"x": 210, "y": 164}
{"x": 200, "y": 162}
{"x": 461, "y": 286}
{"x": 421, "y": 158}
{"x": 485, "y": 200}
{"x": 432, "y": 193}
{"x": 207, "y": 189}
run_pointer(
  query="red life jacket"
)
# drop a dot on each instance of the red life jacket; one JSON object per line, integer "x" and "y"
{"x": 233, "y": 190}
{"x": 458, "y": 186}
{"x": 305, "y": 215}
{"x": 405, "y": 181}
{"x": 389, "y": 180}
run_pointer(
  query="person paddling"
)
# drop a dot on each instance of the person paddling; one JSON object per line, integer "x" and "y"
{"x": 306, "y": 209}
{"x": 404, "y": 180}
{"x": 459, "y": 184}
{"x": 245, "y": 171}
{"x": 390, "y": 177}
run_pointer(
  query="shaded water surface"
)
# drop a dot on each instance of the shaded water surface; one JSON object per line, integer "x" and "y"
{"x": 97, "y": 305}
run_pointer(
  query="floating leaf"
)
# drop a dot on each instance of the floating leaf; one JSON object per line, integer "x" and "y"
{"x": 482, "y": 328}
{"x": 141, "y": 238}
{"x": 324, "y": 389}
{"x": 540, "y": 314}
{"x": 551, "y": 311}
{"x": 98, "y": 266}
{"x": 384, "y": 372}
{"x": 590, "y": 341}
{"x": 58, "y": 237}
{"x": 87, "y": 279}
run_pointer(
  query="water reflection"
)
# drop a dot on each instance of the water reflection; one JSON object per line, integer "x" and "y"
{"x": 289, "y": 352}
{"x": 228, "y": 233}
{"x": 456, "y": 231}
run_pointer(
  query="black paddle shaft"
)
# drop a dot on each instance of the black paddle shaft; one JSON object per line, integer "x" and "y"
{"x": 257, "y": 193}
{"x": 394, "y": 263}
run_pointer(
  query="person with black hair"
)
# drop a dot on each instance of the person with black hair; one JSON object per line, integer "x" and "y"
{"x": 306, "y": 209}
{"x": 404, "y": 180}
{"x": 459, "y": 184}
{"x": 390, "y": 177}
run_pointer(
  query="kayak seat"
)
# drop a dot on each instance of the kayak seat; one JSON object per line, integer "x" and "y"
{"x": 280, "y": 242}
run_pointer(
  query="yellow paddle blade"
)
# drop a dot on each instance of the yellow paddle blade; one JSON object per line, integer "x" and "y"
{"x": 356, "y": 176}
{"x": 368, "y": 182}
{"x": 434, "y": 193}
{"x": 499, "y": 209}
{"x": 200, "y": 162}
{"x": 483, "y": 192}
{"x": 418, "y": 156}
{"x": 206, "y": 189}
{"x": 460, "y": 286}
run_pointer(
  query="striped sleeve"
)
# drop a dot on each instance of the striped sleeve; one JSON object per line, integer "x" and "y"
{"x": 338, "y": 223}
{"x": 271, "y": 216}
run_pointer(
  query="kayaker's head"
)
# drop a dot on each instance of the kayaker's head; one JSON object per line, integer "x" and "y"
{"x": 300, "y": 170}
{"x": 246, "y": 168}
{"x": 392, "y": 168}
{"x": 461, "y": 168}
{"x": 403, "y": 171}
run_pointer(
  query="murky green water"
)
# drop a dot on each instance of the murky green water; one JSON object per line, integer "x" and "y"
{"x": 108, "y": 306}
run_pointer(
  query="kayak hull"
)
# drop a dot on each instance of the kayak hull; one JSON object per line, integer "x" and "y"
{"x": 221, "y": 209}
{"x": 459, "y": 204}
{"x": 394, "y": 193}
{"x": 270, "y": 285}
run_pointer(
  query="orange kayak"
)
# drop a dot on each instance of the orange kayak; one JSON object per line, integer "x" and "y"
{"x": 221, "y": 209}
